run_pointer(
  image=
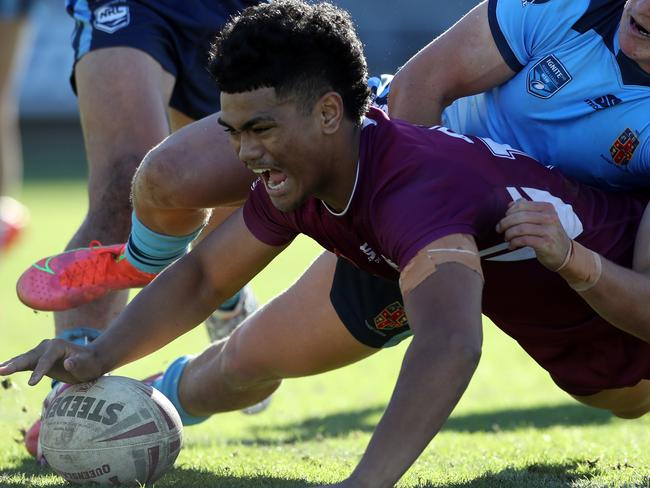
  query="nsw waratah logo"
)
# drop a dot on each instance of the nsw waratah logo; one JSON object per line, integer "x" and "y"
{"x": 547, "y": 77}
{"x": 111, "y": 17}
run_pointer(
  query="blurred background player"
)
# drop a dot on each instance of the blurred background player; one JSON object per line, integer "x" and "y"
{"x": 139, "y": 73}
{"x": 14, "y": 33}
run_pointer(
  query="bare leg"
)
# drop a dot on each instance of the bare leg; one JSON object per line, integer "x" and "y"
{"x": 296, "y": 334}
{"x": 122, "y": 119}
{"x": 627, "y": 403}
{"x": 193, "y": 170}
{"x": 12, "y": 35}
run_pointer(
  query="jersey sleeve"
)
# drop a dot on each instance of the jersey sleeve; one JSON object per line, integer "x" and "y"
{"x": 408, "y": 216}
{"x": 264, "y": 221}
{"x": 524, "y": 29}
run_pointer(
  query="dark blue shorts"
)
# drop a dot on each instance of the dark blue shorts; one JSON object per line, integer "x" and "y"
{"x": 370, "y": 307}
{"x": 13, "y": 9}
{"x": 176, "y": 33}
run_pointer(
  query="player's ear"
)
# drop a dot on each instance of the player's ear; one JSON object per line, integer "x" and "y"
{"x": 331, "y": 112}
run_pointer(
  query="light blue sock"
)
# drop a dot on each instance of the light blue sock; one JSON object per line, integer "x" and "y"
{"x": 152, "y": 252}
{"x": 231, "y": 303}
{"x": 167, "y": 384}
{"x": 78, "y": 335}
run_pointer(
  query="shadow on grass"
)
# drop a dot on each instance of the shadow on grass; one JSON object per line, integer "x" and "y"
{"x": 547, "y": 475}
{"x": 27, "y": 474}
{"x": 364, "y": 420}
{"x": 572, "y": 414}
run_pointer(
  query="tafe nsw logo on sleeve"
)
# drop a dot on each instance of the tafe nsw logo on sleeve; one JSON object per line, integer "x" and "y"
{"x": 111, "y": 17}
{"x": 547, "y": 77}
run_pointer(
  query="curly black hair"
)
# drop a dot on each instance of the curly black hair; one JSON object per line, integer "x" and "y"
{"x": 302, "y": 50}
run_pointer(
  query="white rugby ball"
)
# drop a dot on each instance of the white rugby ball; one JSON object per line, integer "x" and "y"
{"x": 113, "y": 431}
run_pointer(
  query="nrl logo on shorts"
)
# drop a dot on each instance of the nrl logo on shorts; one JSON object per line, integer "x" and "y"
{"x": 547, "y": 77}
{"x": 111, "y": 17}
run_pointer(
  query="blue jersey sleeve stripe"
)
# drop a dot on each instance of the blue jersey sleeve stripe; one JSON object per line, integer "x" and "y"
{"x": 500, "y": 40}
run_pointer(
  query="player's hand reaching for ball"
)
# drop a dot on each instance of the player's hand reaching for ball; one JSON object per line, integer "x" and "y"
{"x": 58, "y": 359}
{"x": 537, "y": 225}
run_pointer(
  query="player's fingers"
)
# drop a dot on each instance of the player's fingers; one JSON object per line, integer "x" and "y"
{"x": 530, "y": 206}
{"x": 83, "y": 365}
{"x": 526, "y": 229}
{"x": 522, "y": 217}
{"x": 13, "y": 365}
{"x": 45, "y": 363}
{"x": 526, "y": 241}
{"x": 22, "y": 362}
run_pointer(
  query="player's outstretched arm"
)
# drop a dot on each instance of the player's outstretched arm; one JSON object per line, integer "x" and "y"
{"x": 444, "y": 311}
{"x": 175, "y": 302}
{"x": 619, "y": 295}
{"x": 463, "y": 61}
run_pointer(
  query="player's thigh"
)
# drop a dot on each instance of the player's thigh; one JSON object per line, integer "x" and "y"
{"x": 298, "y": 333}
{"x": 123, "y": 95}
{"x": 631, "y": 402}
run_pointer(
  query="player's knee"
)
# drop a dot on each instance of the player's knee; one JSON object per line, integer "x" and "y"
{"x": 632, "y": 413}
{"x": 158, "y": 178}
{"x": 241, "y": 369}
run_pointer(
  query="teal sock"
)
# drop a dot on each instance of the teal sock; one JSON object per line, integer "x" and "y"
{"x": 231, "y": 303}
{"x": 167, "y": 384}
{"x": 152, "y": 252}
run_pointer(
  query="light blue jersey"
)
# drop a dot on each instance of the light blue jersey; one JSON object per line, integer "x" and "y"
{"x": 576, "y": 101}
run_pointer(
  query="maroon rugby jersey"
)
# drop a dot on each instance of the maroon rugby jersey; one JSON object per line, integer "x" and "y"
{"x": 415, "y": 185}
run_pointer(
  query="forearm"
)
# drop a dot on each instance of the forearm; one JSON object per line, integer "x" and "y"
{"x": 621, "y": 297}
{"x": 431, "y": 382}
{"x": 174, "y": 303}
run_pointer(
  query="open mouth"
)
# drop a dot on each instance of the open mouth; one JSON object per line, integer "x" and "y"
{"x": 639, "y": 28}
{"x": 275, "y": 180}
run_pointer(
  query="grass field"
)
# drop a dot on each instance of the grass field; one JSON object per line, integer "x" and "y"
{"x": 513, "y": 428}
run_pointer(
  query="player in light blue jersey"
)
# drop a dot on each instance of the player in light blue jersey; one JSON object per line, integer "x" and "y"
{"x": 567, "y": 81}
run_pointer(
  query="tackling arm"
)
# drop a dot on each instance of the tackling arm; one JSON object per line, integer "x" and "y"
{"x": 461, "y": 62}
{"x": 619, "y": 295}
{"x": 174, "y": 303}
{"x": 444, "y": 312}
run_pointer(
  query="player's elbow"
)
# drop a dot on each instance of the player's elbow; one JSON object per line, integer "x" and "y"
{"x": 463, "y": 350}
{"x": 466, "y": 351}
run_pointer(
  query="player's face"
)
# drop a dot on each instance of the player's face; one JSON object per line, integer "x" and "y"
{"x": 634, "y": 33}
{"x": 277, "y": 141}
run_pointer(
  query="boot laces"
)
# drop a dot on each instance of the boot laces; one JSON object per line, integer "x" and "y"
{"x": 92, "y": 269}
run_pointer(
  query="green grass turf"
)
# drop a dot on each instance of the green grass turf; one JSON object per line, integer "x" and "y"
{"x": 513, "y": 428}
